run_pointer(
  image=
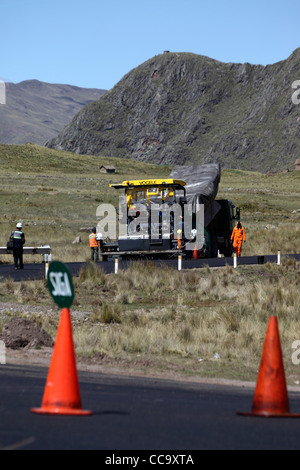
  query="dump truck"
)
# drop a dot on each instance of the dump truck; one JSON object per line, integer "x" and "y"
{"x": 162, "y": 218}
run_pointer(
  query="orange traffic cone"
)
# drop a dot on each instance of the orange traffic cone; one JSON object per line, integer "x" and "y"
{"x": 271, "y": 396}
{"x": 195, "y": 254}
{"x": 61, "y": 394}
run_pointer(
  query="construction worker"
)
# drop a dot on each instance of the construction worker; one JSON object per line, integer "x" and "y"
{"x": 94, "y": 245}
{"x": 18, "y": 239}
{"x": 179, "y": 244}
{"x": 237, "y": 238}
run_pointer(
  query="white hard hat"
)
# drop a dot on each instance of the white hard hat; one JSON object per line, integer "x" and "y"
{"x": 19, "y": 225}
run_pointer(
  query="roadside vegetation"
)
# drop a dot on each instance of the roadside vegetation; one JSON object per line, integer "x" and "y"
{"x": 204, "y": 322}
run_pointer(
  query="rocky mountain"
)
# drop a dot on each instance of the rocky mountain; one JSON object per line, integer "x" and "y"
{"x": 179, "y": 108}
{"x": 36, "y": 111}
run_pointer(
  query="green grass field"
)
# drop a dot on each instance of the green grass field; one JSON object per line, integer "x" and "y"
{"x": 149, "y": 319}
{"x": 56, "y": 194}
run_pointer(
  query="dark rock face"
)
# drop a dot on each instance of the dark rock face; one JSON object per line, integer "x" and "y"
{"x": 179, "y": 108}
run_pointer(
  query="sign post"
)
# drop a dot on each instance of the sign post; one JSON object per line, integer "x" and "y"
{"x": 60, "y": 284}
{"x": 62, "y": 394}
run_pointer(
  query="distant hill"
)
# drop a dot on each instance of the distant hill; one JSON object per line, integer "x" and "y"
{"x": 181, "y": 108}
{"x": 36, "y": 111}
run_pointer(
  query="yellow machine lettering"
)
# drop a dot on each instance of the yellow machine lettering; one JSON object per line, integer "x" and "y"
{"x": 143, "y": 190}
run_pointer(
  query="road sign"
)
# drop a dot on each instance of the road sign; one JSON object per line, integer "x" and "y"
{"x": 60, "y": 284}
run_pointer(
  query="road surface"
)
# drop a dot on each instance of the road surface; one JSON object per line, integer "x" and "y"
{"x": 132, "y": 413}
{"x": 37, "y": 270}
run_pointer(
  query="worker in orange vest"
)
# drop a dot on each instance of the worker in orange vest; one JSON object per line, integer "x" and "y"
{"x": 179, "y": 239}
{"x": 237, "y": 238}
{"x": 94, "y": 245}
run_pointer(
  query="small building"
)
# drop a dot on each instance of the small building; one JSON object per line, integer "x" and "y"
{"x": 107, "y": 169}
{"x": 297, "y": 164}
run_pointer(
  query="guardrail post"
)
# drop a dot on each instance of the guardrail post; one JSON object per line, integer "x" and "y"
{"x": 278, "y": 257}
{"x": 2, "y": 352}
{"x": 234, "y": 260}
{"x": 46, "y": 260}
{"x": 179, "y": 262}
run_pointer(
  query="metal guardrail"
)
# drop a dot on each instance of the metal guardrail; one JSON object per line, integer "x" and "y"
{"x": 28, "y": 250}
{"x": 44, "y": 250}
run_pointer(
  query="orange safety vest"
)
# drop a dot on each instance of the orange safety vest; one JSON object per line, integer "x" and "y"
{"x": 238, "y": 235}
{"x": 179, "y": 242}
{"x": 93, "y": 241}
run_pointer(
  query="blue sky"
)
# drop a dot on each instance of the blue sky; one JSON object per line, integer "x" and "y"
{"x": 94, "y": 43}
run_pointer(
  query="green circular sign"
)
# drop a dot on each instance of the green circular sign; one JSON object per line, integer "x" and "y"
{"x": 60, "y": 284}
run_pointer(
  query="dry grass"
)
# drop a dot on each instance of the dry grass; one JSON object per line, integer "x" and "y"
{"x": 195, "y": 315}
{"x": 205, "y": 322}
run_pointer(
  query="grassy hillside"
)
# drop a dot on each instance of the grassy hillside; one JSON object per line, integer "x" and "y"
{"x": 55, "y": 194}
{"x": 270, "y": 209}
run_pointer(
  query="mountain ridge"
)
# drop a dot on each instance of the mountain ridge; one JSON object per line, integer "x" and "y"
{"x": 37, "y": 111}
{"x": 179, "y": 108}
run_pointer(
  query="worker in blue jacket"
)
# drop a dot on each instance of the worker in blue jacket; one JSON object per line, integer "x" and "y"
{"x": 18, "y": 238}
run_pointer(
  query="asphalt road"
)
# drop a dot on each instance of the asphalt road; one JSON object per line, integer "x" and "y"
{"x": 37, "y": 270}
{"x": 131, "y": 414}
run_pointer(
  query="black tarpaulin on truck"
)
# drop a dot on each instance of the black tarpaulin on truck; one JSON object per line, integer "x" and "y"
{"x": 202, "y": 181}
{"x": 202, "y": 184}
